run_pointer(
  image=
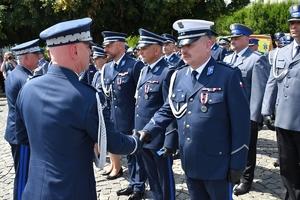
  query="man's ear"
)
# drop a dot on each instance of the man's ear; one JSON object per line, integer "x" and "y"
{"x": 74, "y": 51}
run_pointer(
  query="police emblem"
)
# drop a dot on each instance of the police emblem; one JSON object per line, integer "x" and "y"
{"x": 180, "y": 25}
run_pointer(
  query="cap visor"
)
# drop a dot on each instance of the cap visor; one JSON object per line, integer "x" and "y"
{"x": 188, "y": 41}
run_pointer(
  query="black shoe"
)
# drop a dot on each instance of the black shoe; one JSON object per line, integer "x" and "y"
{"x": 120, "y": 173}
{"x": 125, "y": 191}
{"x": 242, "y": 188}
{"x": 105, "y": 173}
{"x": 276, "y": 163}
{"x": 136, "y": 196}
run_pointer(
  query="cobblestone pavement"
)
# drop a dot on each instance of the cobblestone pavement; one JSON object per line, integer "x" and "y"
{"x": 266, "y": 185}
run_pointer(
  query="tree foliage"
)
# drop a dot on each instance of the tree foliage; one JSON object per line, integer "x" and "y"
{"x": 261, "y": 18}
{"x": 23, "y": 20}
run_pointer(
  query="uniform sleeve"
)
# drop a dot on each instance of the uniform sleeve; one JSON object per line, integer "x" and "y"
{"x": 160, "y": 121}
{"x": 239, "y": 114}
{"x": 117, "y": 142}
{"x": 270, "y": 95}
{"x": 260, "y": 75}
{"x": 21, "y": 132}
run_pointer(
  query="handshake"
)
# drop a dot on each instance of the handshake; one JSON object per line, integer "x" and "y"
{"x": 144, "y": 135}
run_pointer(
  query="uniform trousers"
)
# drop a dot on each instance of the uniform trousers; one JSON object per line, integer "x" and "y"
{"x": 160, "y": 174}
{"x": 251, "y": 159}
{"x": 289, "y": 161}
{"x": 21, "y": 156}
{"x": 137, "y": 173}
{"x": 209, "y": 189}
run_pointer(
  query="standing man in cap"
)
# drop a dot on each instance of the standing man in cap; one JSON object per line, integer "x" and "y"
{"x": 120, "y": 78}
{"x": 224, "y": 42}
{"x": 43, "y": 64}
{"x": 286, "y": 72}
{"x": 253, "y": 44}
{"x": 217, "y": 52}
{"x": 67, "y": 113}
{"x": 151, "y": 93}
{"x": 255, "y": 71}
{"x": 28, "y": 60}
{"x": 209, "y": 103}
{"x": 168, "y": 49}
{"x": 99, "y": 60}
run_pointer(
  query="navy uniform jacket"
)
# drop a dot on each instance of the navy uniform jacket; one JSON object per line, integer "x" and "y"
{"x": 122, "y": 84}
{"x": 156, "y": 83}
{"x": 60, "y": 122}
{"x": 96, "y": 83}
{"x": 13, "y": 84}
{"x": 173, "y": 59}
{"x": 287, "y": 103}
{"x": 88, "y": 75}
{"x": 211, "y": 142}
{"x": 218, "y": 52}
{"x": 255, "y": 70}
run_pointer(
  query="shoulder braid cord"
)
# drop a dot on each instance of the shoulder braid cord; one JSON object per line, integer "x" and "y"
{"x": 182, "y": 110}
{"x": 102, "y": 142}
{"x": 275, "y": 72}
{"x": 105, "y": 90}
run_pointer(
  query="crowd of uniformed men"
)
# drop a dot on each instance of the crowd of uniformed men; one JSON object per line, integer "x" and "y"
{"x": 189, "y": 97}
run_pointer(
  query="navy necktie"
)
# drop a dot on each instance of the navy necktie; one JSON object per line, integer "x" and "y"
{"x": 297, "y": 51}
{"x": 194, "y": 77}
{"x": 115, "y": 66}
{"x": 235, "y": 58}
{"x": 148, "y": 69}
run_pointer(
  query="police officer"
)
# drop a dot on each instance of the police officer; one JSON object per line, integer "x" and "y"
{"x": 217, "y": 52}
{"x": 253, "y": 44}
{"x": 87, "y": 75}
{"x": 28, "y": 60}
{"x": 99, "y": 60}
{"x": 255, "y": 71}
{"x": 120, "y": 78}
{"x": 224, "y": 42}
{"x": 64, "y": 128}
{"x": 286, "y": 73}
{"x": 169, "y": 49}
{"x": 205, "y": 98}
{"x": 152, "y": 91}
{"x": 278, "y": 44}
{"x": 43, "y": 63}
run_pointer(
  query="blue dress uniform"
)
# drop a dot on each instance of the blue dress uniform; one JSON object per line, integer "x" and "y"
{"x": 119, "y": 84}
{"x": 88, "y": 75}
{"x": 214, "y": 131}
{"x": 64, "y": 128}
{"x": 152, "y": 92}
{"x": 217, "y": 52}
{"x": 13, "y": 84}
{"x": 173, "y": 58}
{"x": 286, "y": 73}
{"x": 98, "y": 52}
{"x": 255, "y": 70}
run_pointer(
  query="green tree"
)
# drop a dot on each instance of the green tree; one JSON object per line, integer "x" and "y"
{"x": 23, "y": 20}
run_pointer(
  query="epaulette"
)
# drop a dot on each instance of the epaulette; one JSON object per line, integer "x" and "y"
{"x": 258, "y": 53}
{"x": 182, "y": 66}
{"x": 32, "y": 77}
{"x": 224, "y": 64}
